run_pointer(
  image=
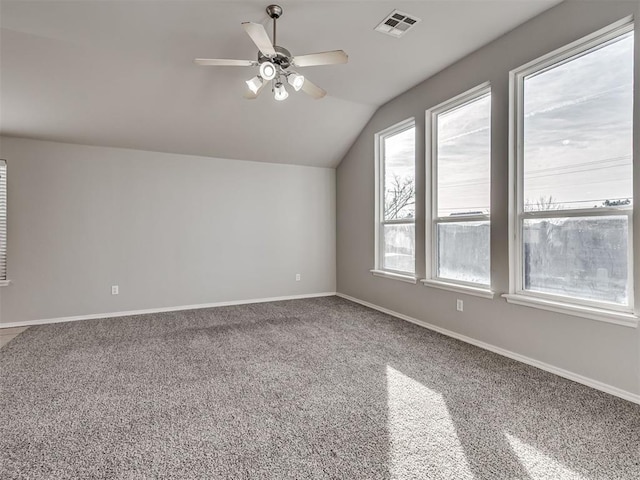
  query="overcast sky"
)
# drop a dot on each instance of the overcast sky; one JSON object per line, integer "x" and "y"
{"x": 399, "y": 162}
{"x": 577, "y": 133}
{"x": 464, "y": 158}
{"x": 578, "y": 129}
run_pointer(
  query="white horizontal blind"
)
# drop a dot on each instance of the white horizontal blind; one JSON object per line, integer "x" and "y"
{"x": 3, "y": 220}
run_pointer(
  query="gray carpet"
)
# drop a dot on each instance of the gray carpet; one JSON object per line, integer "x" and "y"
{"x": 317, "y": 388}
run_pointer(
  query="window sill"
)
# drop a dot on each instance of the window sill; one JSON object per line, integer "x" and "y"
{"x": 5, "y": 283}
{"x": 455, "y": 287}
{"x": 599, "y": 314}
{"x": 394, "y": 276}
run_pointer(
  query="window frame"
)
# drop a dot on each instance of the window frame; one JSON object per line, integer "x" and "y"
{"x": 380, "y": 221}
{"x": 594, "y": 309}
{"x": 432, "y": 218}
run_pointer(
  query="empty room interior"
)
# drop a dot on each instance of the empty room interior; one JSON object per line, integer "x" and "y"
{"x": 320, "y": 239}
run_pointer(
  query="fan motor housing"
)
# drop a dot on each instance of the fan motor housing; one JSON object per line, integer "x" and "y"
{"x": 282, "y": 58}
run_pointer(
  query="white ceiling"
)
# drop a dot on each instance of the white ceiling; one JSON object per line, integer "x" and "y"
{"x": 121, "y": 73}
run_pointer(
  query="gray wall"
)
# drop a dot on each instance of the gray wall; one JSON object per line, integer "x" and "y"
{"x": 600, "y": 351}
{"x": 170, "y": 230}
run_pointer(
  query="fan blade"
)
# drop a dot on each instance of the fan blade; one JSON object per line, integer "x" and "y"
{"x": 223, "y": 62}
{"x": 259, "y": 36}
{"x": 322, "y": 58}
{"x": 312, "y": 89}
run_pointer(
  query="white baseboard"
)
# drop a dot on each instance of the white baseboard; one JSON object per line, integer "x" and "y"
{"x": 632, "y": 397}
{"x": 93, "y": 316}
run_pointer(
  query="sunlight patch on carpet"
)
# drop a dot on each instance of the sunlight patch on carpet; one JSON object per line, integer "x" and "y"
{"x": 422, "y": 437}
{"x": 539, "y": 465}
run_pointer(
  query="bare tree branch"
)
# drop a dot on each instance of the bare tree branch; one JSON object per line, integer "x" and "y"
{"x": 401, "y": 194}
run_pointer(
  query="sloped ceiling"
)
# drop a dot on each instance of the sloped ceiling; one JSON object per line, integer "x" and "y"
{"x": 121, "y": 73}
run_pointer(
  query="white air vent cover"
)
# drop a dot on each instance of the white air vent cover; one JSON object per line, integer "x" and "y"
{"x": 397, "y": 24}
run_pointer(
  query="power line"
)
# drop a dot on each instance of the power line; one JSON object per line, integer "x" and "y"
{"x": 582, "y": 164}
{"x": 559, "y": 168}
{"x": 593, "y": 169}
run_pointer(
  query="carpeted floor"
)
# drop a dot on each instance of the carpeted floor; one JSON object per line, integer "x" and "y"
{"x": 317, "y": 388}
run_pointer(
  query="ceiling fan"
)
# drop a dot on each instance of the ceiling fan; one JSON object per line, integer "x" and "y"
{"x": 275, "y": 63}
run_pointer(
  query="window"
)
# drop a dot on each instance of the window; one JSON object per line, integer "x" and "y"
{"x": 461, "y": 189}
{"x": 574, "y": 193}
{"x": 3, "y": 221}
{"x": 395, "y": 199}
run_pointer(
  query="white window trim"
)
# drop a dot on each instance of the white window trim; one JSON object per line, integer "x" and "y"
{"x": 432, "y": 218}
{"x": 4, "y": 280}
{"x": 459, "y": 288}
{"x": 583, "y": 311}
{"x": 378, "y": 270}
{"x": 595, "y": 310}
{"x": 394, "y": 276}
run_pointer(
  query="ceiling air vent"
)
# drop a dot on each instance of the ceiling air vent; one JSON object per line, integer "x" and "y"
{"x": 397, "y": 24}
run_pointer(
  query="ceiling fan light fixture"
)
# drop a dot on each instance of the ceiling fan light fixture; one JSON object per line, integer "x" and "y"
{"x": 268, "y": 70}
{"x": 255, "y": 84}
{"x": 296, "y": 81}
{"x": 274, "y": 61}
{"x": 279, "y": 92}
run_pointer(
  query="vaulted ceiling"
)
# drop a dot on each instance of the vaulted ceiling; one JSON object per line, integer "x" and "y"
{"x": 121, "y": 73}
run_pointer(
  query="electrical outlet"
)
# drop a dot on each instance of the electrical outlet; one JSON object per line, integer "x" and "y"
{"x": 459, "y": 305}
{"x": 115, "y": 290}
{"x": 297, "y": 277}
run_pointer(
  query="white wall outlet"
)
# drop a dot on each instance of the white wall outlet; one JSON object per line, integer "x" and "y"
{"x": 115, "y": 290}
{"x": 297, "y": 277}
{"x": 459, "y": 305}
